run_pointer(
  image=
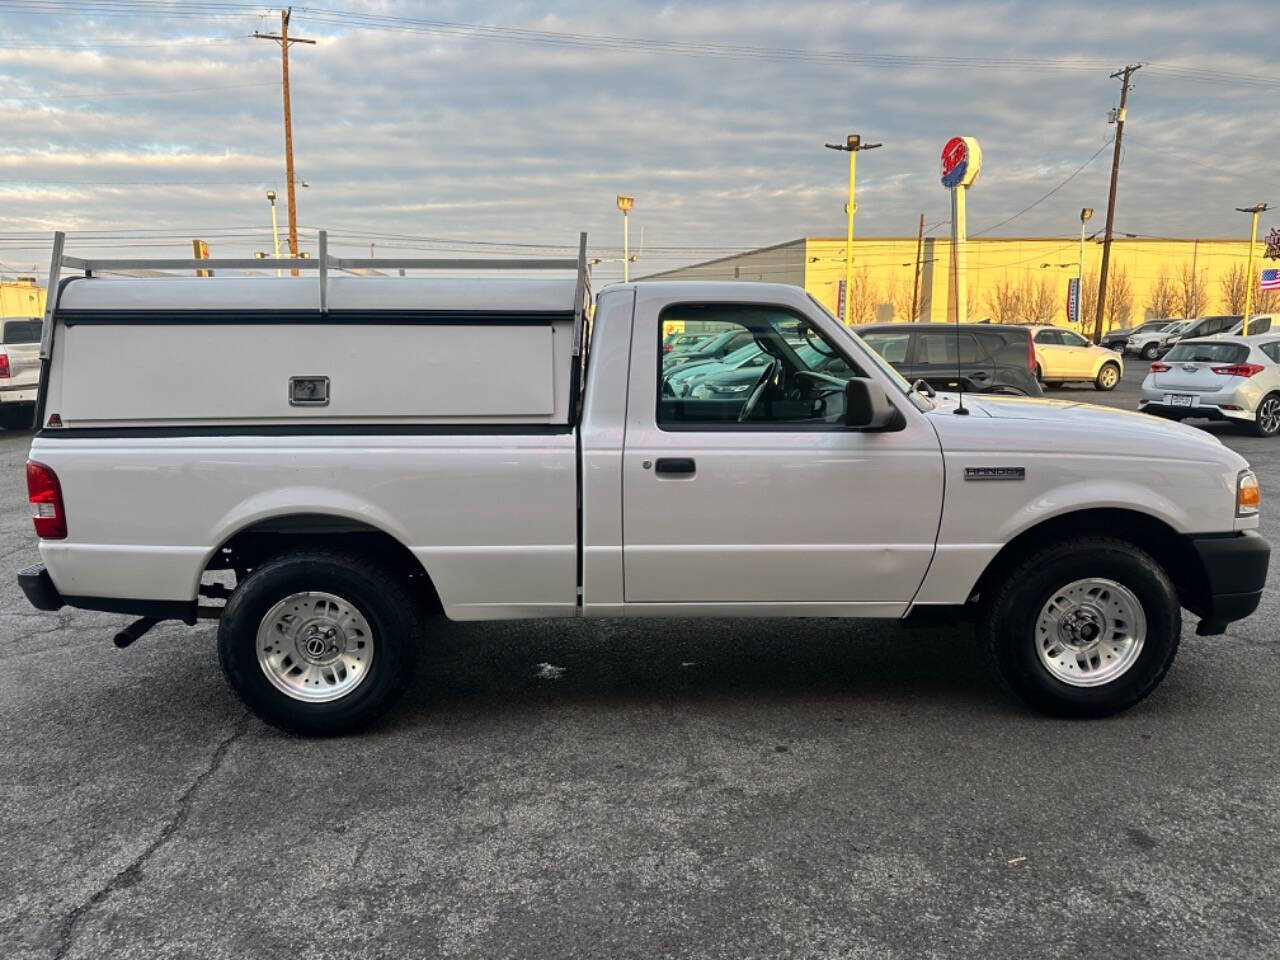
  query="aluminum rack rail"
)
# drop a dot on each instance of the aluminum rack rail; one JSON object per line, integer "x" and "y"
{"x": 322, "y": 264}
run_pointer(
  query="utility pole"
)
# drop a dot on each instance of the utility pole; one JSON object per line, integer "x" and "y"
{"x": 1256, "y": 209}
{"x": 1123, "y": 76}
{"x": 915, "y": 286}
{"x": 853, "y": 143}
{"x": 284, "y": 40}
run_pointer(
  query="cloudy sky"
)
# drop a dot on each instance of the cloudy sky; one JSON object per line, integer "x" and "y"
{"x": 430, "y": 126}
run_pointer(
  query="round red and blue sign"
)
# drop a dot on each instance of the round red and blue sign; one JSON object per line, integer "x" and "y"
{"x": 961, "y": 161}
{"x": 955, "y": 162}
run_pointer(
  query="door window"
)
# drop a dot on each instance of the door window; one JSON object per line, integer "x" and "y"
{"x": 891, "y": 346}
{"x": 795, "y": 375}
{"x": 1049, "y": 336}
{"x": 946, "y": 348}
{"x": 1072, "y": 339}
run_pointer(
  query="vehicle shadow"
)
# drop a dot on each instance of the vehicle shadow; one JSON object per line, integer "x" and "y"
{"x": 628, "y": 662}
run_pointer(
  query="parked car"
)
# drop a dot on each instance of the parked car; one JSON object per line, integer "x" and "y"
{"x": 1063, "y": 355}
{"x": 1116, "y": 339}
{"x": 680, "y": 342}
{"x": 1210, "y": 326}
{"x": 681, "y": 380}
{"x": 1153, "y": 343}
{"x": 1218, "y": 379}
{"x": 721, "y": 345}
{"x": 1259, "y": 323}
{"x": 19, "y": 370}
{"x": 515, "y": 482}
{"x": 721, "y": 382}
{"x": 974, "y": 356}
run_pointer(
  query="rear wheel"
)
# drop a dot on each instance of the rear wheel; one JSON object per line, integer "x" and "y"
{"x": 319, "y": 642}
{"x": 1082, "y": 628}
{"x": 1267, "y": 421}
{"x": 1150, "y": 351}
{"x": 1107, "y": 377}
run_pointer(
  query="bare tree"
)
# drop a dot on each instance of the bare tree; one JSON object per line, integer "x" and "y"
{"x": 1119, "y": 298}
{"x": 1041, "y": 300}
{"x": 1265, "y": 301}
{"x": 863, "y": 298}
{"x": 1162, "y": 299}
{"x": 897, "y": 293}
{"x": 1235, "y": 284}
{"x": 1007, "y": 300}
{"x": 1192, "y": 290}
{"x": 1088, "y": 300}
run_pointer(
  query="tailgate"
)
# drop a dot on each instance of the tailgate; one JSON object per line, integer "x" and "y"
{"x": 1191, "y": 377}
{"x": 24, "y": 364}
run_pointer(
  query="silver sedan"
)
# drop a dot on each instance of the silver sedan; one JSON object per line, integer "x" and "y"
{"x": 1218, "y": 379}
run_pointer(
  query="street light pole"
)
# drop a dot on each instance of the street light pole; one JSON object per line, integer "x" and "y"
{"x": 625, "y": 204}
{"x": 853, "y": 143}
{"x": 1256, "y": 209}
{"x": 1085, "y": 214}
{"x": 275, "y": 227}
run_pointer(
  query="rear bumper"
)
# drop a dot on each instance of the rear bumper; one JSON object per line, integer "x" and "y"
{"x": 38, "y": 586}
{"x": 43, "y": 594}
{"x": 1235, "y": 567}
{"x": 24, "y": 393}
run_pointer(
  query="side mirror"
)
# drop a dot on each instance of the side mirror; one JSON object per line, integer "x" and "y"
{"x": 866, "y": 407}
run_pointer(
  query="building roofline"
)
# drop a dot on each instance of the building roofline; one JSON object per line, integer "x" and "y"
{"x": 732, "y": 256}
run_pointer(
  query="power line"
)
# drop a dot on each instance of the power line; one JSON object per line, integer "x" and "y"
{"x": 1071, "y": 176}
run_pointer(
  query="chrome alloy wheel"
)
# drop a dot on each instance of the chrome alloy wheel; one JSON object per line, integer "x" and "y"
{"x": 1090, "y": 632}
{"x": 315, "y": 647}
{"x": 1269, "y": 416}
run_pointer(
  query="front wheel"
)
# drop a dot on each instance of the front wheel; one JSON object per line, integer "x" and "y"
{"x": 1107, "y": 377}
{"x": 319, "y": 642}
{"x": 1150, "y": 351}
{"x": 1082, "y": 628}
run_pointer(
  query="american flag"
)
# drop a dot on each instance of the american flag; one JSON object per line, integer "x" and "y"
{"x": 1270, "y": 280}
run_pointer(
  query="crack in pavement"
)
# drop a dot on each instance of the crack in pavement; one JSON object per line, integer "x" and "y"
{"x": 132, "y": 874}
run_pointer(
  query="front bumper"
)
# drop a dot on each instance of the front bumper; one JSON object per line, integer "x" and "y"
{"x": 1235, "y": 566}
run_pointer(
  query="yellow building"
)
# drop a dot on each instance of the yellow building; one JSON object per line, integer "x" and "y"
{"x": 21, "y": 298}
{"x": 1022, "y": 279}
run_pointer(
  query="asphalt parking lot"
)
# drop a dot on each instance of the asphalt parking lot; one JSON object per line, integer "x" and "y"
{"x": 681, "y": 789}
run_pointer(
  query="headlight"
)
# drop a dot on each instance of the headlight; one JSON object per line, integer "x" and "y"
{"x": 1248, "y": 494}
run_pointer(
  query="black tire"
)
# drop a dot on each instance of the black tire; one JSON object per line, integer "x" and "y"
{"x": 376, "y": 593}
{"x": 1150, "y": 351}
{"x": 1054, "y": 384}
{"x": 1267, "y": 425}
{"x": 1100, "y": 383}
{"x": 1007, "y": 628}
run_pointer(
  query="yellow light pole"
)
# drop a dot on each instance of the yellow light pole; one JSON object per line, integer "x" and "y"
{"x": 853, "y": 143}
{"x": 1256, "y": 209}
{"x": 625, "y": 204}
{"x": 275, "y": 228}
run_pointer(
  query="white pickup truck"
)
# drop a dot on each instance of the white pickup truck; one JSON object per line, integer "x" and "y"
{"x": 365, "y": 453}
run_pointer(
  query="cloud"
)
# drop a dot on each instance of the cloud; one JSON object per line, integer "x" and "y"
{"x": 401, "y": 132}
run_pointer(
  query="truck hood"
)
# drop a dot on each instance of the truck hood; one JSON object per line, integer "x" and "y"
{"x": 1081, "y": 427}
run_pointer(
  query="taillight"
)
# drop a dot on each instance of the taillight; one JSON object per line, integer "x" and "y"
{"x": 4, "y": 366}
{"x": 45, "y": 494}
{"x": 1160, "y": 368}
{"x": 1239, "y": 369}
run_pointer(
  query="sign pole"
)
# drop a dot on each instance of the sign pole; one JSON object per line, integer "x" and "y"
{"x": 959, "y": 251}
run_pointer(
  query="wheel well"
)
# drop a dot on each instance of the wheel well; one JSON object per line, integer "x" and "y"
{"x": 248, "y": 548}
{"x": 1170, "y": 549}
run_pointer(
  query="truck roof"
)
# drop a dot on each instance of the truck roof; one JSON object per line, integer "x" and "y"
{"x": 504, "y": 295}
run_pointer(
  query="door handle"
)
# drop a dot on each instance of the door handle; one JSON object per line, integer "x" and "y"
{"x": 675, "y": 466}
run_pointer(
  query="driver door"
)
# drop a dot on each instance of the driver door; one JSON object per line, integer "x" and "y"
{"x": 764, "y": 501}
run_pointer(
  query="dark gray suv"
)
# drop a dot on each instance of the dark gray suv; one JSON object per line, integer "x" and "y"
{"x": 982, "y": 357}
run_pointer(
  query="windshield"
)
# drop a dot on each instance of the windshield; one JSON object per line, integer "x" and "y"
{"x": 921, "y": 401}
{"x": 1208, "y": 351}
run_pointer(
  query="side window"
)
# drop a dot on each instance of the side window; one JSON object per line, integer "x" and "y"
{"x": 1272, "y": 350}
{"x": 1073, "y": 339}
{"x": 1049, "y": 336}
{"x": 891, "y": 346}
{"x": 785, "y": 371}
{"x": 941, "y": 348}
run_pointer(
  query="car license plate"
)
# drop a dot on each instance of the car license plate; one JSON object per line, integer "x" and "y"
{"x": 1181, "y": 400}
